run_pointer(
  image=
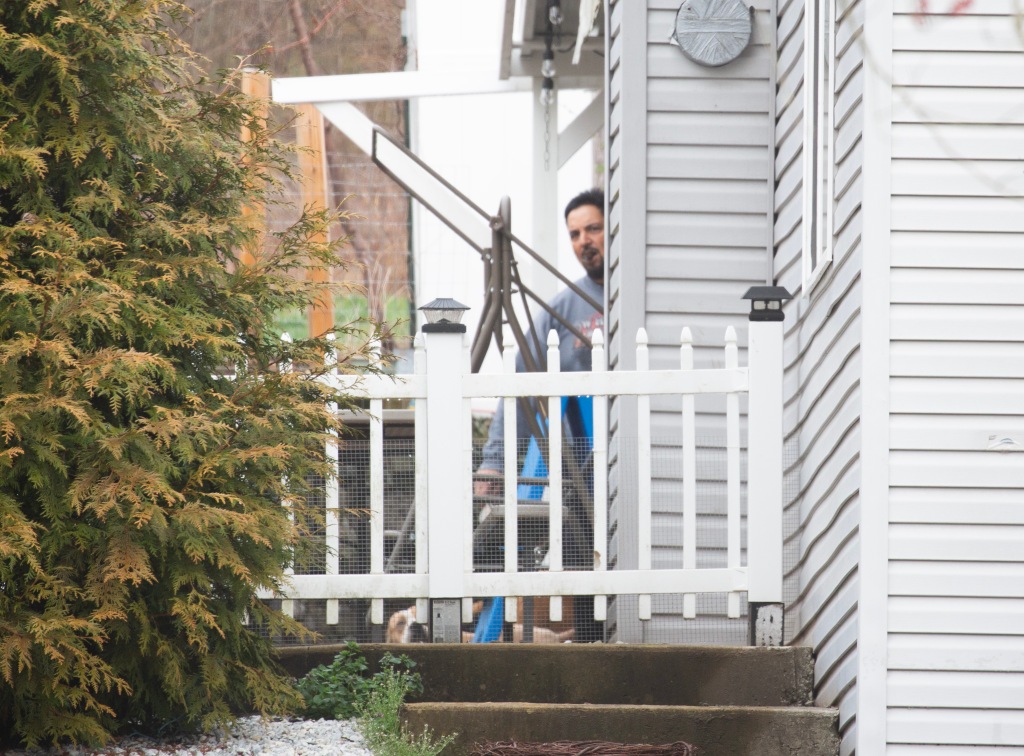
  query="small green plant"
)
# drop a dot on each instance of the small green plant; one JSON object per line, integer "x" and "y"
{"x": 381, "y": 725}
{"x": 339, "y": 689}
{"x": 344, "y": 689}
{"x": 331, "y": 690}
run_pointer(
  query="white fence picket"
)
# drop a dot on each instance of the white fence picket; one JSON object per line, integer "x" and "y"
{"x": 287, "y": 605}
{"x": 511, "y": 487}
{"x": 689, "y": 474}
{"x": 377, "y": 530}
{"x": 332, "y": 500}
{"x": 732, "y": 451}
{"x": 554, "y": 477}
{"x": 643, "y": 471}
{"x": 600, "y": 459}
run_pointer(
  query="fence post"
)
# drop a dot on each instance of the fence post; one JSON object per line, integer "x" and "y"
{"x": 444, "y": 337}
{"x": 764, "y": 475}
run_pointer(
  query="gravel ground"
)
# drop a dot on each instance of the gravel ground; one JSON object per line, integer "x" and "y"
{"x": 250, "y": 736}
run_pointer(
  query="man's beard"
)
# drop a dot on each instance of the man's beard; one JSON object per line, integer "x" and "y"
{"x": 594, "y": 272}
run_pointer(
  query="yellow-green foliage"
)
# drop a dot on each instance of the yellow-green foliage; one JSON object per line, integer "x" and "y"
{"x": 149, "y": 436}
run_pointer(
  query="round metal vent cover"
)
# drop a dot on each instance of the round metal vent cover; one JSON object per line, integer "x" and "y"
{"x": 713, "y": 32}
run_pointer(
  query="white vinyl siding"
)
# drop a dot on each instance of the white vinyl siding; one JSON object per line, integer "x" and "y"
{"x": 707, "y": 167}
{"x": 822, "y": 386}
{"x": 686, "y": 239}
{"x": 956, "y": 570}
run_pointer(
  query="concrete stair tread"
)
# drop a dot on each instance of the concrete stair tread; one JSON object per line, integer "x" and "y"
{"x": 605, "y": 673}
{"x": 731, "y": 730}
{"x": 625, "y": 708}
{"x": 725, "y": 700}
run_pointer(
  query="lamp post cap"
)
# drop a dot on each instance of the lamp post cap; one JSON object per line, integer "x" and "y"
{"x": 444, "y": 303}
{"x": 766, "y": 303}
{"x": 444, "y": 315}
{"x": 779, "y": 293}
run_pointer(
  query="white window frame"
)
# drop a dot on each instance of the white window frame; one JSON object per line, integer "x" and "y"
{"x": 819, "y": 139}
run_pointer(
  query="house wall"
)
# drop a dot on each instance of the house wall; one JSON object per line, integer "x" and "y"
{"x": 682, "y": 253}
{"x": 823, "y": 367}
{"x": 956, "y": 508}
{"x": 924, "y": 290}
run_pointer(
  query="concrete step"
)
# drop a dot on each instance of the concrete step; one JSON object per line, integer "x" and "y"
{"x": 596, "y": 673}
{"x": 727, "y": 701}
{"x": 715, "y": 730}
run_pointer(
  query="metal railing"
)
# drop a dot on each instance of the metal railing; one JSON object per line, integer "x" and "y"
{"x": 502, "y": 282}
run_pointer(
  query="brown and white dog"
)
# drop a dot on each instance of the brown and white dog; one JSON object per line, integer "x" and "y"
{"x": 403, "y": 628}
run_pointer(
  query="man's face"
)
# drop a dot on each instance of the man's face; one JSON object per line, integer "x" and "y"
{"x": 586, "y": 232}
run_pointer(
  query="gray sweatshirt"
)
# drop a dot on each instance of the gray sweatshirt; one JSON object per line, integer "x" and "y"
{"x": 574, "y": 356}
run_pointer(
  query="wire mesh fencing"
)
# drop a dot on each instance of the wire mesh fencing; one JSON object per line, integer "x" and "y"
{"x": 535, "y": 619}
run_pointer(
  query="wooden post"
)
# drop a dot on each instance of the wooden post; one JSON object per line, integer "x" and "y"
{"x": 309, "y": 135}
{"x": 255, "y": 84}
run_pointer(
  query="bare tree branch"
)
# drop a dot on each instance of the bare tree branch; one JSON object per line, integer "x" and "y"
{"x": 299, "y": 20}
{"x": 315, "y": 37}
{"x": 316, "y": 29}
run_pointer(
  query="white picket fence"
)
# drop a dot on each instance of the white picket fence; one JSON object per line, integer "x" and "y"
{"x": 442, "y": 389}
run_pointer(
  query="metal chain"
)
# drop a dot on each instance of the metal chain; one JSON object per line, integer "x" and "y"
{"x": 547, "y": 137}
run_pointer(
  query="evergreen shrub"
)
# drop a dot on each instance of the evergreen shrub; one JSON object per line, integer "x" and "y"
{"x": 154, "y": 449}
